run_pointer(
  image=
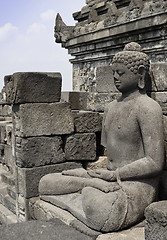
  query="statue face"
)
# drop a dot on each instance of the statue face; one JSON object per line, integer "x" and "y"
{"x": 124, "y": 79}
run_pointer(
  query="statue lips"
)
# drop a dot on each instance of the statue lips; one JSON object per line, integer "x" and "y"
{"x": 117, "y": 83}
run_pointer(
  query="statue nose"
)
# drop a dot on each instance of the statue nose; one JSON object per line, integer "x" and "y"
{"x": 116, "y": 76}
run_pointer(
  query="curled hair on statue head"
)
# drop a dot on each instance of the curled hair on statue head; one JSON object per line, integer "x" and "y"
{"x": 132, "y": 57}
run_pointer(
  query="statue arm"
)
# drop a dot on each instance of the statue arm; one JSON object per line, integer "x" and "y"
{"x": 151, "y": 127}
{"x": 103, "y": 133}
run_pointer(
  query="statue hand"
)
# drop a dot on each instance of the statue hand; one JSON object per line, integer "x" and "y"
{"x": 103, "y": 174}
{"x": 78, "y": 172}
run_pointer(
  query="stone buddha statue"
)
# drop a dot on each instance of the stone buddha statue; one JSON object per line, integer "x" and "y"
{"x": 111, "y": 199}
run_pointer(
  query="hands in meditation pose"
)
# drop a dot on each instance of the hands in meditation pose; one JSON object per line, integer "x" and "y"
{"x": 116, "y": 197}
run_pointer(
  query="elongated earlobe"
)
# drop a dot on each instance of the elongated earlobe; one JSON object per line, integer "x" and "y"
{"x": 141, "y": 82}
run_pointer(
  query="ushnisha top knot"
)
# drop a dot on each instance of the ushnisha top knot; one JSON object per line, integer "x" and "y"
{"x": 132, "y": 46}
{"x": 133, "y": 57}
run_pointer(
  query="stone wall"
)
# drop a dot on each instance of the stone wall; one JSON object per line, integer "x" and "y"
{"x": 39, "y": 135}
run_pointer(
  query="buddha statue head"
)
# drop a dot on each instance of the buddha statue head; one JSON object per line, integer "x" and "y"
{"x": 130, "y": 68}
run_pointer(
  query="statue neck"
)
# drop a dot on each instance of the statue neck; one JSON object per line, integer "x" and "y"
{"x": 126, "y": 96}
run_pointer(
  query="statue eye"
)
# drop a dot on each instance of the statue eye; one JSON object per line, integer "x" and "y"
{"x": 120, "y": 73}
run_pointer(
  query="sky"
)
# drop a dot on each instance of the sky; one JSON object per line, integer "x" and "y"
{"x": 27, "y": 41}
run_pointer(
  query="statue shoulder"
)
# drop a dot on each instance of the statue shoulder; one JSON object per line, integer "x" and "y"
{"x": 148, "y": 105}
{"x": 110, "y": 106}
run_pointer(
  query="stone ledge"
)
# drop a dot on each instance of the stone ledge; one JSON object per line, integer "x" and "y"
{"x": 130, "y": 234}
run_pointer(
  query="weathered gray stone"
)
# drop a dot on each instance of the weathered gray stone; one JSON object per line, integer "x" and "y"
{"x": 161, "y": 98}
{"x": 163, "y": 186}
{"x": 23, "y": 213}
{"x": 1, "y": 153}
{"x": 105, "y": 80}
{"x": 87, "y": 122}
{"x": 81, "y": 147}
{"x": 131, "y": 234}
{"x": 88, "y": 101}
{"x": 39, "y": 151}
{"x": 100, "y": 163}
{"x": 41, "y": 210}
{"x": 6, "y": 216}
{"x": 51, "y": 230}
{"x": 28, "y": 178}
{"x": 8, "y": 158}
{"x": 165, "y": 167}
{"x": 98, "y": 101}
{"x": 165, "y": 126}
{"x": 2, "y": 133}
{"x": 6, "y": 110}
{"x": 5, "y": 131}
{"x": 77, "y": 100}
{"x": 156, "y": 221}
{"x": 9, "y": 132}
{"x": 8, "y": 178}
{"x": 40, "y": 119}
{"x": 10, "y": 204}
{"x": 30, "y": 87}
{"x": 159, "y": 71}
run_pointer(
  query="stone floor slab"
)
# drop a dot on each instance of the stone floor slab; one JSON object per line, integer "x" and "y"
{"x": 130, "y": 234}
{"x": 40, "y": 230}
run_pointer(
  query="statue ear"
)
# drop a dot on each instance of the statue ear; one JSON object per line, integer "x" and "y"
{"x": 142, "y": 73}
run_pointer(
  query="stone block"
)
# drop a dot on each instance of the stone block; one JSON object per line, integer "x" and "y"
{"x": 28, "y": 178}
{"x": 156, "y": 221}
{"x": 10, "y": 204}
{"x": 165, "y": 155}
{"x": 1, "y": 153}
{"x": 87, "y": 122}
{"x": 39, "y": 151}
{"x": 165, "y": 126}
{"x": 40, "y": 119}
{"x": 105, "y": 80}
{"x": 42, "y": 210}
{"x": 77, "y": 100}
{"x": 6, "y": 110}
{"x": 159, "y": 72}
{"x": 43, "y": 230}
{"x": 130, "y": 234}
{"x": 9, "y": 132}
{"x": 2, "y": 133}
{"x": 8, "y": 157}
{"x": 23, "y": 213}
{"x": 81, "y": 147}
{"x": 6, "y": 216}
{"x": 161, "y": 98}
{"x": 5, "y": 131}
{"x": 163, "y": 186}
{"x": 98, "y": 101}
{"x": 33, "y": 87}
